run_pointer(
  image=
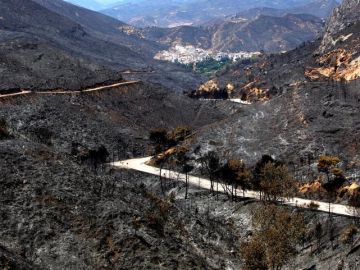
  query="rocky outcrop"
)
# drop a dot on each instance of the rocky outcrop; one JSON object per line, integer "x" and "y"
{"x": 344, "y": 16}
{"x": 338, "y": 65}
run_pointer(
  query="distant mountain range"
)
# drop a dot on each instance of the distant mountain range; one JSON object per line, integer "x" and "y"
{"x": 268, "y": 33}
{"x": 228, "y": 26}
{"x": 171, "y": 13}
{"x": 319, "y": 8}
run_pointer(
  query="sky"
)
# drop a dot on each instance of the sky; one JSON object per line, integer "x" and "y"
{"x": 94, "y": 4}
{"x": 102, "y": 4}
{"x": 107, "y": 1}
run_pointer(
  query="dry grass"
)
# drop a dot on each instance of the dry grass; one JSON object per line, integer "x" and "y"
{"x": 347, "y": 235}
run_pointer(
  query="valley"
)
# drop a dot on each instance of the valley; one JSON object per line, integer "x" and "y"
{"x": 191, "y": 55}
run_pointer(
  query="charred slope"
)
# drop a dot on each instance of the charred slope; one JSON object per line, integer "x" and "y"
{"x": 69, "y": 217}
{"x": 52, "y": 209}
{"x": 111, "y": 117}
{"x": 57, "y": 212}
{"x": 312, "y": 119}
{"x": 104, "y": 27}
{"x": 295, "y": 113}
{"x": 39, "y": 43}
{"x": 11, "y": 260}
{"x": 43, "y": 50}
{"x": 32, "y": 63}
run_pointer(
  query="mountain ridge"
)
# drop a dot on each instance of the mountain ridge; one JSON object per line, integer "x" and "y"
{"x": 264, "y": 33}
{"x": 175, "y": 13}
{"x": 320, "y": 8}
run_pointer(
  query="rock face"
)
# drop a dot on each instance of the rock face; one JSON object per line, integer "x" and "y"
{"x": 338, "y": 65}
{"x": 344, "y": 16}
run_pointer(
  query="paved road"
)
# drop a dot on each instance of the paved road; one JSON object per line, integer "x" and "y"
{"x": 16, "y": 94}
{"x": 89, "y": 89}
{"x": 238, "y": 100}
{"x": 95, "y": 89}
{"x": 235, "y": 100}
{"x": 139, "y": 164}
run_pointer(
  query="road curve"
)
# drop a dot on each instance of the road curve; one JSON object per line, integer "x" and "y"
{"x": 139, "y": 164}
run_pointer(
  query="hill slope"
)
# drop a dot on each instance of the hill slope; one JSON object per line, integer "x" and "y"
{"x": 306, "y": 102}
{"x": 35, "y": 35}
{"x": 103, "y": 27}
{"x": 38, "y": 48}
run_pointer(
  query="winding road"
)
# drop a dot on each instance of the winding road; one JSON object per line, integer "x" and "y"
{"x": 140, "y": 164}
{"x": 88, "y": 90}
{"x": 16, "y": 94}
{"x": 235, "y": 100}
{"x": 95, "y": 89}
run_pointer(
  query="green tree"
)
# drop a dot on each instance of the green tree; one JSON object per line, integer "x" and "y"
{"x": 210, "y": 165}
{"x": 179, "y": 134}
{"x": 235, "y": 174}
{"x": 277, "y": 232}
{"x": 276, "y": 182}
{"x": 253, "y": 254}
{"x": 257, "y": 172}
{"x": 328, "y": 163}
{"x": 159, "y": 140}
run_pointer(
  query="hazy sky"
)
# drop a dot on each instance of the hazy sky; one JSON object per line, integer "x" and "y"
{"x": 94, "y": 4}
{"x": 107, "y": 1}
